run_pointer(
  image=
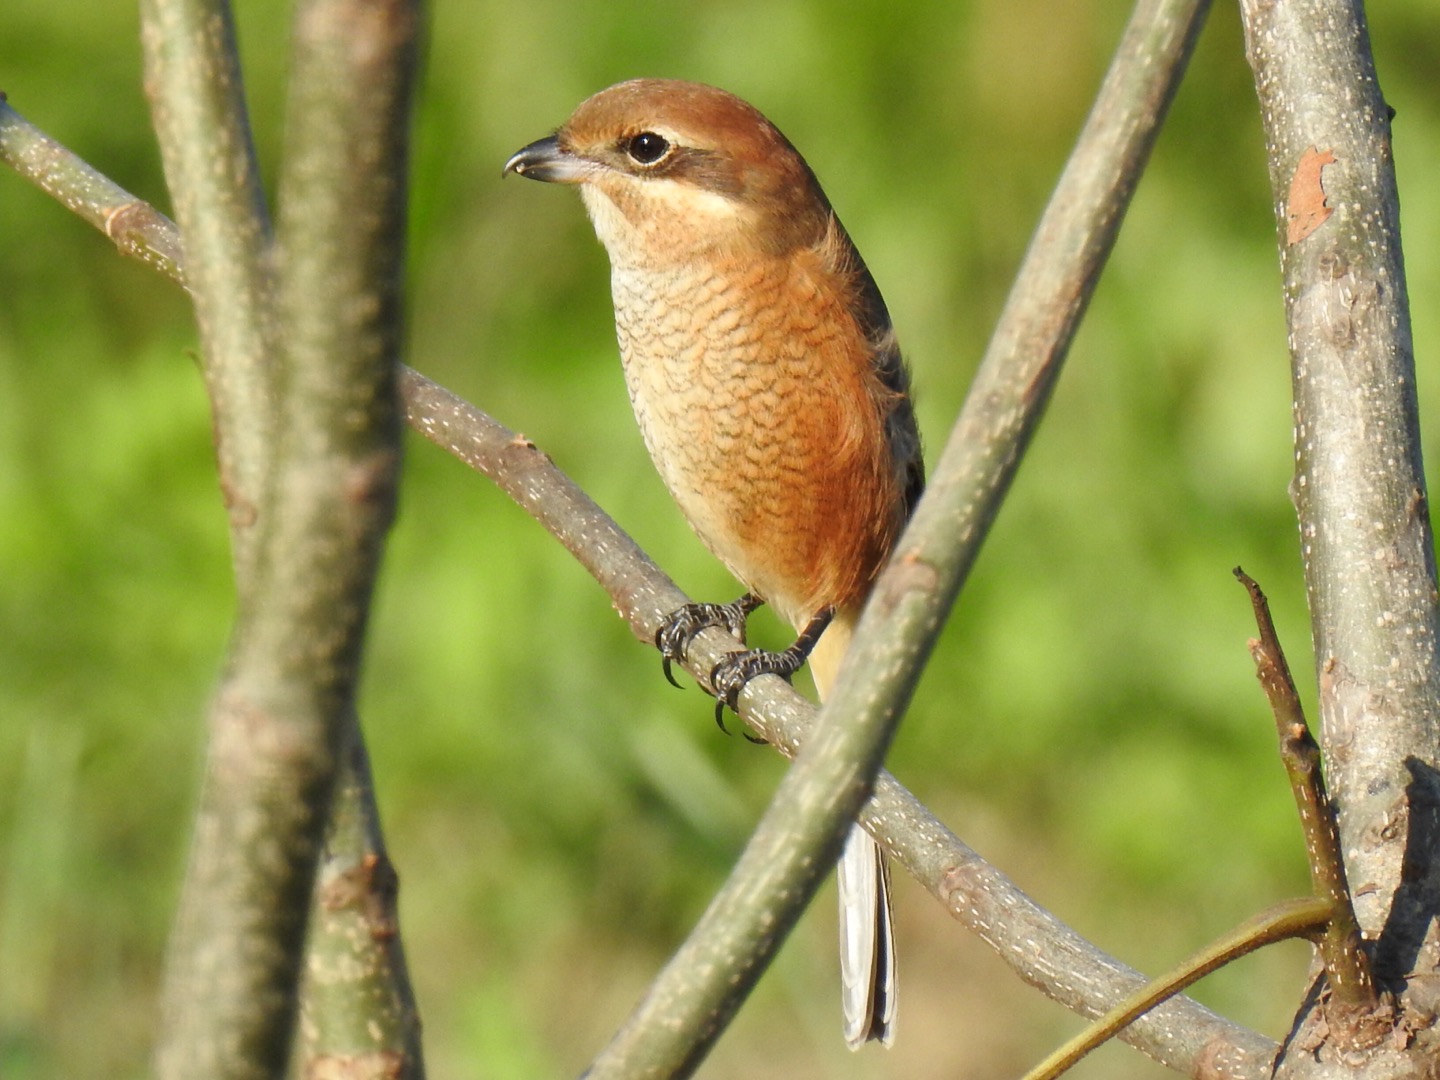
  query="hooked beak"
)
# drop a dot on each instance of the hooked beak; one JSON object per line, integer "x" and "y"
{"x": 545, "y": 159}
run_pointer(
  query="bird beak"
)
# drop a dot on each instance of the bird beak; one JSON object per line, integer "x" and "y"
{"x": 545, "y": 159}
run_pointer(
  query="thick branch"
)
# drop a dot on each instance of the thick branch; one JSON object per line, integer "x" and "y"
{"x": 1359, "y": 489}
{"x": 317, "y": 465}
{"x": 342, "y": 237}
{"x": 355, "y": 888}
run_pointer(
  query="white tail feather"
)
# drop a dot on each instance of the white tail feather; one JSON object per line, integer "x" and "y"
{"x": 867, "y": 935}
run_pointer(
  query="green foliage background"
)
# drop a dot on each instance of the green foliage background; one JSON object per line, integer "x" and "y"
{"x": 559, "y": 816}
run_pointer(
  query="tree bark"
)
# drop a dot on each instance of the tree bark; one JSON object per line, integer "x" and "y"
{"x": 1359, "y": 492}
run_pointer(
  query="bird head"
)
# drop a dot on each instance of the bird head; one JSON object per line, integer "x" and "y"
{"x": 671, "y": 171}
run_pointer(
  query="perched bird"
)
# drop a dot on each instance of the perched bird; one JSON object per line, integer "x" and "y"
{"x": 771, "y": 394}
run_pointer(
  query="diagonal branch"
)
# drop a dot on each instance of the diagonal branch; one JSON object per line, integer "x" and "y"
{"x": 1041, "y": 948}
{"x": 137, "y": 228}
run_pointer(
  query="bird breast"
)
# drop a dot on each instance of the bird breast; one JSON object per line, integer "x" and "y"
{"x": 752, "y": 386}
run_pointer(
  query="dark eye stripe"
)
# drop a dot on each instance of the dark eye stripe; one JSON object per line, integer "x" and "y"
{"x": 705, "y": 169}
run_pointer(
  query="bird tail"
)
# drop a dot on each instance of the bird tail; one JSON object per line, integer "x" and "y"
{"x": 867, "y": 934}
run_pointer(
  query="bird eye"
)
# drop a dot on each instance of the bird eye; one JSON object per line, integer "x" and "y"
{"x": 647, "y": 148}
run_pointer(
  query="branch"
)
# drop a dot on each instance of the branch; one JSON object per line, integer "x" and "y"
{"x": 1345, "y": 962}
{"x": 354, "y": 914}
{"x": 935, "y": 555}
{"x": 311, "y": 476}
{"x": 137, "y": 228}
{"x": 192, "y": 77}
{"x": 1305, "y": 917}
{"x": 358, "y": 1014}
{"x": 1023, "y": 361}
{"x": 1359, "y": 489}
{"x": 1042, "y": 950}
{"x": 342, "y": 241}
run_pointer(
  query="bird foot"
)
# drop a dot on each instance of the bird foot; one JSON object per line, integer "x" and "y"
{"x": 735, "y": 670}
{"x": 682, "y": 624}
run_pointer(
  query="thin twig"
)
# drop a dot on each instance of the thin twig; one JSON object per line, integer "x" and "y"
{"x": 1289, "y": 919}
{"x": 1345, "y": 960}
{"x": 137, "y": 228}
{"x": 197, "y": 100}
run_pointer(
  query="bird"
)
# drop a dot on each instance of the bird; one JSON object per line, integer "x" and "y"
{"x": 770, "y": 391}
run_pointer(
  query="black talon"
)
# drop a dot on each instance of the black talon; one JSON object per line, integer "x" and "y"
{"x": 682, "y": 624}
{"x": 720, "y": 717}
{"x": 720, "y": 723}
{"x": 736, "y": 669}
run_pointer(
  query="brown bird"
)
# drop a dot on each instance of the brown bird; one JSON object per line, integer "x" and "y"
{"x": 770, "y": 392}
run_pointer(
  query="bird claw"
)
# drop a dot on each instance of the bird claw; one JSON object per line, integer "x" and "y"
{"x": 720, "y": 723}
{"x": 735, "y": 670}
{"x": 681, "y": 625}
